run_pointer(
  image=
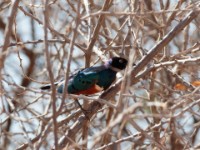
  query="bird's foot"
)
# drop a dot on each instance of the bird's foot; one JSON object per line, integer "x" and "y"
{"x": 85, "y": 112}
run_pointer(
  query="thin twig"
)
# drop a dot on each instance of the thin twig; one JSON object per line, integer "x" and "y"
{"x": 51, "y": 76}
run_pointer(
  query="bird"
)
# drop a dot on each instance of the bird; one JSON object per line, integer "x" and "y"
{"x": 91, "y": 80}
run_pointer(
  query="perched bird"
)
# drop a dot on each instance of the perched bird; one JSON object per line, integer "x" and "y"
{"x": 92, "y": 80}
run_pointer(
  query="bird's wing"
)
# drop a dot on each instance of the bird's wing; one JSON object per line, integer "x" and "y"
{"x": 81, "y": 80}
{"x": 84, "y": 79}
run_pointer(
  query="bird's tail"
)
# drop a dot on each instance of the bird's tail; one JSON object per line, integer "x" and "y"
{"x": 48, "y": 86}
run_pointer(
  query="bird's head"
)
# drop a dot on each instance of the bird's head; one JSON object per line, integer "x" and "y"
{"x": 117, "y": 63}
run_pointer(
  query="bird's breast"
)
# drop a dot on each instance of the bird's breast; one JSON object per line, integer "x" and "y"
{"x": 92, "y": 90}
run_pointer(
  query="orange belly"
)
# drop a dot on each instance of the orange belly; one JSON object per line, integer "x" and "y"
{"x": 94, "y": 89}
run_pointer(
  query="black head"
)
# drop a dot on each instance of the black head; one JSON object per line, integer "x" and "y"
{"x": 118, "y": 62}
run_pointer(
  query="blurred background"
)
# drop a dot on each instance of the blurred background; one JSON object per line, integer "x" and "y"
{"x": 86, "y": 33}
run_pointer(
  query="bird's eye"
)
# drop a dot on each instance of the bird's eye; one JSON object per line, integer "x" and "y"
{"x": 121, "y": 61}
